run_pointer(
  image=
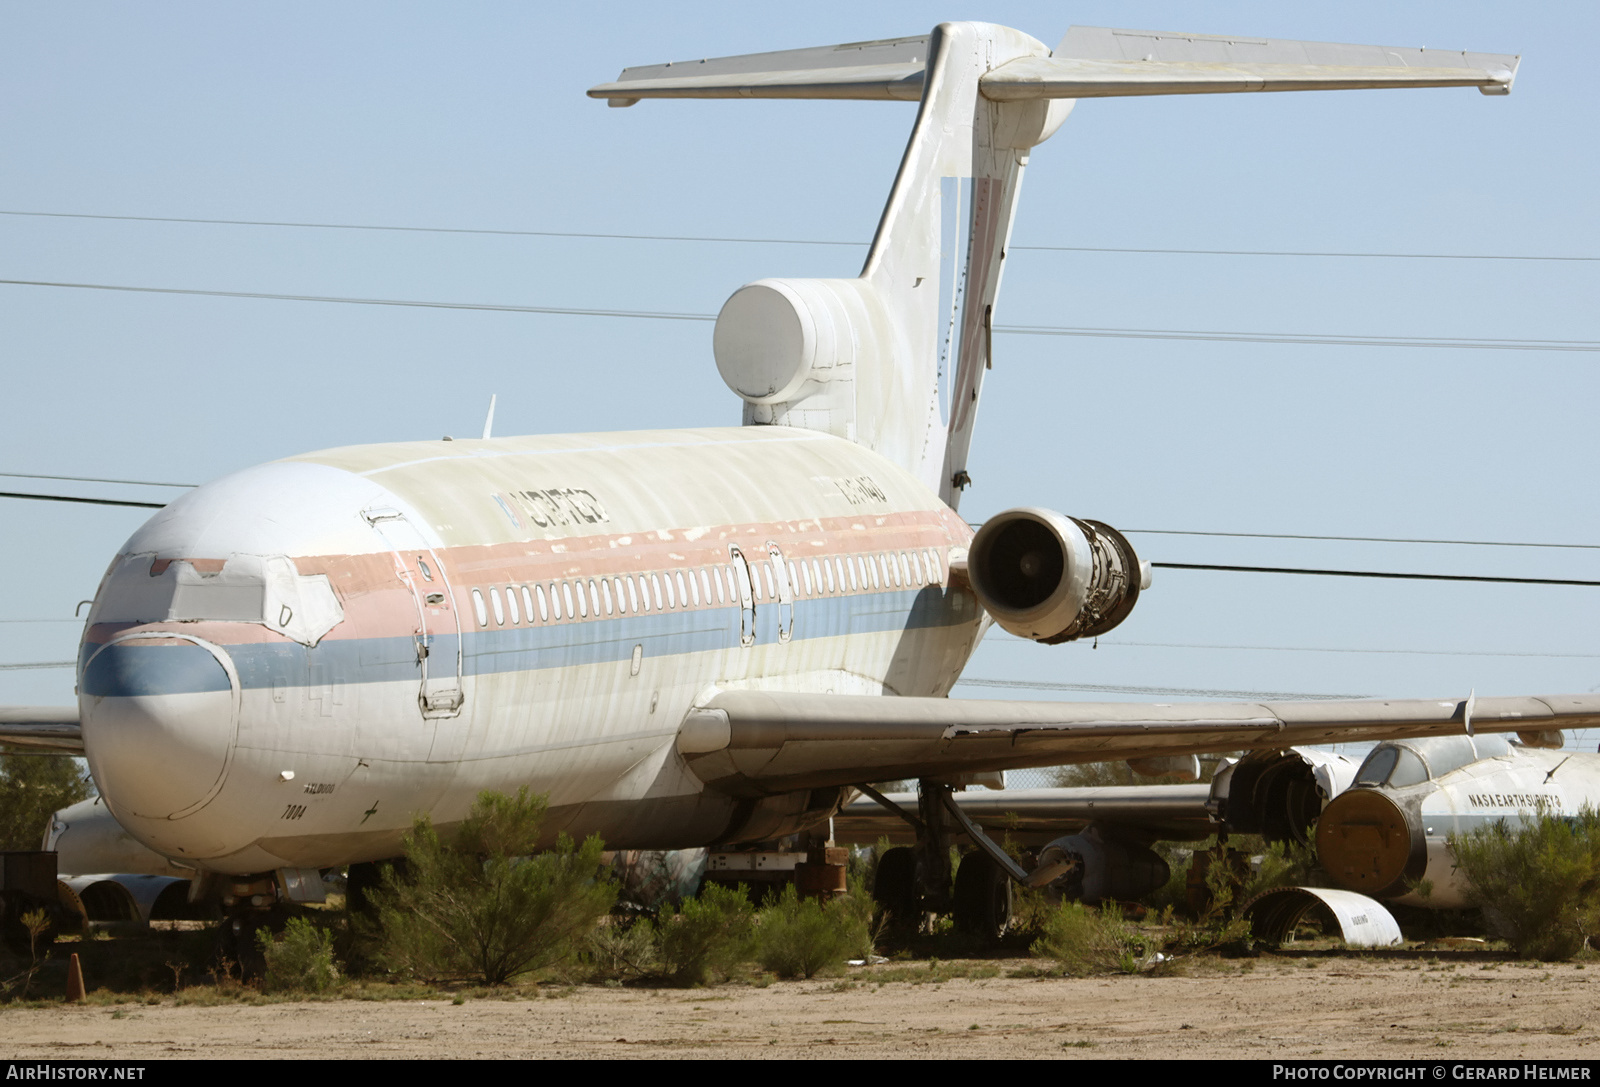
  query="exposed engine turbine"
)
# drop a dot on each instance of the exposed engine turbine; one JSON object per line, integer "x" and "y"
{"x": 1101, "y": 863}
{"x": 1053, "y": 578}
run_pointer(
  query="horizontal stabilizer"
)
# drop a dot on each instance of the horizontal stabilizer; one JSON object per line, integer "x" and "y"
{"x": 1090, "y": 62}
{"x": 881, "y": 70}
{"x": 1074, "y": 77}
{"x": 42, "y": 728}
{"x": 1096, "y": 62}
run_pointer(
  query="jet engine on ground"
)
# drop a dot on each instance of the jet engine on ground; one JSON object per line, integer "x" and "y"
{"x": 1098, "y": 864}
{"x": 1053, "y": 578}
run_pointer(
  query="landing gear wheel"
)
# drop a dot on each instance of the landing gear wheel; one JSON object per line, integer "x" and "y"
{"x": 238, "y": 945}
{"x": 982, "y": 897}
{"x": 894, "y": 887}
{"x": 360, "y": 881}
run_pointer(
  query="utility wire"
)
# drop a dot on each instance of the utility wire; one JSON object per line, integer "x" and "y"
{"x": 1109, "y": 688}
{"x": 1158, "y": 565}
{"x": 440, "y": 229}
{"x": 85, "y": 501}
{"x": 1338, "y": 340}
{"x": 648, "y": 314}
{"x": 95, "y": 479}
{"x": 782, "y": 241}
{"x": 1368, "y": 573}
{"x": 1331, "y": 339}
{"x": 1330, "y": 649}
{"x": 1355, "y": 539}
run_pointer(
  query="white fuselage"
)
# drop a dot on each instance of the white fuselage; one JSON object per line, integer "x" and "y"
{"x": 1509, "y": 789}
{"x": 285, "y": 667}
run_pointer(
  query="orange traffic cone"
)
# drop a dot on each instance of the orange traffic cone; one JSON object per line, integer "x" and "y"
{"x": 74, "y": 981}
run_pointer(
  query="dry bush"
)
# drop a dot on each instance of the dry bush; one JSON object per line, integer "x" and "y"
{"x": 1536, "y": 883}
{"x": 1083, "y": 940}
{"x": 485, "y": 905}
{"x": 800, "y": 937}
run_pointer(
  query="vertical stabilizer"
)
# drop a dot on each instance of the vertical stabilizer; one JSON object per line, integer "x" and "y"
{"x": 895, "y": 358}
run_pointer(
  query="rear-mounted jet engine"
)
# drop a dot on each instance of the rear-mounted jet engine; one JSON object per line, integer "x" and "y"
{"x": 1053, "y": 578}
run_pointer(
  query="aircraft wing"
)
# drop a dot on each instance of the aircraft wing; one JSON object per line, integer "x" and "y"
{"x": 1174, "y": 812}
{"x": 42, "y": 728}
{"x": 755, "y": 743}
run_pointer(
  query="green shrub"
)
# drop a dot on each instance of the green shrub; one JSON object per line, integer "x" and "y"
{"x": 712, "y": 933}
{"x": 31, "y": 790}
{"x": 798, "y": 937}
{"x": 301, "y": 961}
{"x": 1536, "y": 883}
{"x": 484, "y": 905}
{"x": 622, "y": 949}
{"x": 1283, "y": 864}
{"x": 1083, "y": 940}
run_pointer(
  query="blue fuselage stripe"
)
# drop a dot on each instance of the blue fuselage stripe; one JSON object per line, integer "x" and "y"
{"x": 136, "y": 668}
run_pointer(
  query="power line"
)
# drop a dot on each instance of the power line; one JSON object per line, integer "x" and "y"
{"x": 442, "y": 229}
{"x": 95, "y": 479}
{"x": 787, "y": 241}
{"x": 1109, "y": 688}
{"x": 1295, "y": 253}
{"x": 1329, "y": 339}
{"x": 85, "y": 501}
{"x": 35, "y": 665}
{"x": 1356, "y": 539}
{"x": 1331, "y": 649}
{"x": 569, "y": 311}
{"x": 1141, "y": 531}
{"x": 1369, "y": 573}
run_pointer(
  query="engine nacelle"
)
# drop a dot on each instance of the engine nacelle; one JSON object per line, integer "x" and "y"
{"x": 1053, "y": 578}
{"x": 1280, "y": 794}
{"x": 1101, "y": 868}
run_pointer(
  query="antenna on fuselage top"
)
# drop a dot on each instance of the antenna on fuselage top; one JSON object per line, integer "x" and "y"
{"x": 488, "y": 420}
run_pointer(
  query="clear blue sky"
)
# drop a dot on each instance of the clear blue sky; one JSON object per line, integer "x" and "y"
{"x": 474, "y": 116}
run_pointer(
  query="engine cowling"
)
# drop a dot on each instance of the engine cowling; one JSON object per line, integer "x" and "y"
{"x": 1280, "y": 794}
{"x": 1098, "y": 866}
{"x": 1053, "y": 578}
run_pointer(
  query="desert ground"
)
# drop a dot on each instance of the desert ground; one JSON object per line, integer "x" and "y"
{"x": 1437, "y": 1008}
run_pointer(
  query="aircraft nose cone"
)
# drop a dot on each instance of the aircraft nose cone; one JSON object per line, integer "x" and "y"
{"x": 1369, "y": 843}
{"x": 159, "y": 713}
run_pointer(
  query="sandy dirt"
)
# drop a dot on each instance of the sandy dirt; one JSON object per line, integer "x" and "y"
{"x": 1274, "y": 1007}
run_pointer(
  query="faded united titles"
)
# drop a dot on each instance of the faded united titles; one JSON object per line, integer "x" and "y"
{"x": 553, "y": 507}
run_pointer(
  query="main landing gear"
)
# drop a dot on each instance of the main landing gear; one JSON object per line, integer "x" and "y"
{"x": 914, "y": 883}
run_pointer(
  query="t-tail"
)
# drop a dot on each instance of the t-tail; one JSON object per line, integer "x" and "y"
{"x": 895, "y": 358}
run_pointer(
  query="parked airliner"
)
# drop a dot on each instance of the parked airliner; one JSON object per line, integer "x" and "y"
{"x": 684, "y": 637}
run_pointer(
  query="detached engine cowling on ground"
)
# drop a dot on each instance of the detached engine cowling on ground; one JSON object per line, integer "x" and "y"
{"x": 1053, "y": 578}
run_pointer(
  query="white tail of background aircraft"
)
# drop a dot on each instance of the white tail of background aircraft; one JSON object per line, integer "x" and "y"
{"x": 895, "y": 358}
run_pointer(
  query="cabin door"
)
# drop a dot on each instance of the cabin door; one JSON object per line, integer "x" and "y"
{"x": 780, "y": 572}
{"x": 747, "y": 596}
{"x": 438, "y": 624}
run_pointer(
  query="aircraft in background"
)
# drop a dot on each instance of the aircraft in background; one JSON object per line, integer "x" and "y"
{"x": 694, "y": 637}
{"x": 1380, "y": 829}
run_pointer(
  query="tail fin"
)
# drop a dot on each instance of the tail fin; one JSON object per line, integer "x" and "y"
{"x": 895, "y": 358}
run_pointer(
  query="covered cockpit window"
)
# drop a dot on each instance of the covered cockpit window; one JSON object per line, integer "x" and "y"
{"x": 1375, "y": 771}
{"x": 1409, "y": 769}
{"x": 266, "y": 589}
{"x": 1392, "y": 765}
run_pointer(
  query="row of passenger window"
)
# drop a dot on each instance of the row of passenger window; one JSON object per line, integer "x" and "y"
{"x": 763, "y": 580}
